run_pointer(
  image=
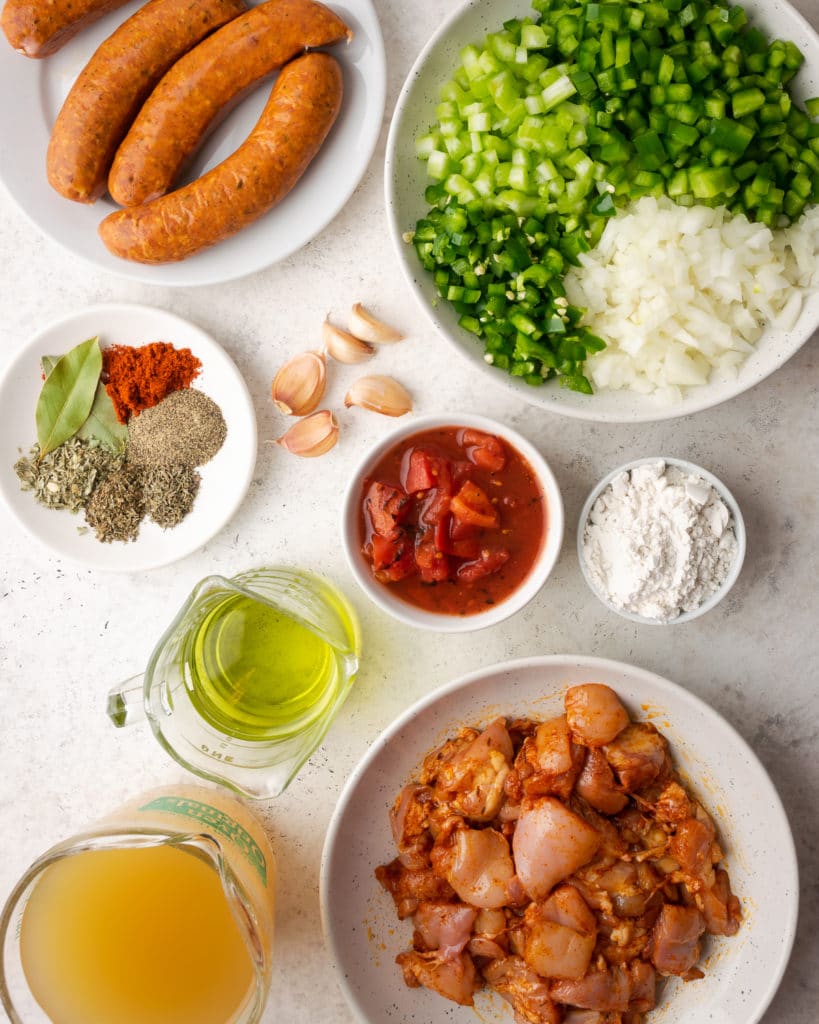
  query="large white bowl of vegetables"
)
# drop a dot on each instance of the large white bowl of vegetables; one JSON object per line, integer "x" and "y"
{"x": 611, "y": 207}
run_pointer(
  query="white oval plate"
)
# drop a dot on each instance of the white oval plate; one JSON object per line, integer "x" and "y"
{"x": 35, "y": 90}
{"x": 364, "y": 935}
{"x": 225, "y": 479}
{"x": 405, "y": 181}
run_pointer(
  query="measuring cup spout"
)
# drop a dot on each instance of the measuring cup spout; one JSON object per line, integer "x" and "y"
{"x": 125, "y": 702}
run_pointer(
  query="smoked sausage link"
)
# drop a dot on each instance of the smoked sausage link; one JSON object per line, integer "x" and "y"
{"x": 206, "y": 83}
{"x": 37, "y": 28}
{"x": 115, "y": 83}
{"x": 301, "y": 111}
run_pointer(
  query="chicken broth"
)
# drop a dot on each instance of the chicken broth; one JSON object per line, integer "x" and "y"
{"x": 559, "y": 863}
{"x": 135, "y": 936}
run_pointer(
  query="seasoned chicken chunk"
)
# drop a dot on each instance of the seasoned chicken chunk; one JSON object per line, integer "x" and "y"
{"x": 561, "y": 863}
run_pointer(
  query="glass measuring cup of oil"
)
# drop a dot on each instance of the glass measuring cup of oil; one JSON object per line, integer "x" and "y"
{"x": 245, "y": 682}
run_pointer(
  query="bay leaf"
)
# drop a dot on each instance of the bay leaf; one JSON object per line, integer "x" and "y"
{"x": 102, "y": 423}
{"x": 67, "y": 395}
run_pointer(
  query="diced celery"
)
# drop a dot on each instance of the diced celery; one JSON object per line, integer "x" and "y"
{"x": 424, "y": 146}
{"x": 479, "y": 122}
{"x": 438, "y": 165}
{"x": 533, "y": 37}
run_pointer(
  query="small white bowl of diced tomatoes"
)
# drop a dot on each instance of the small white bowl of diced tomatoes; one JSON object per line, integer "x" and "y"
{"x": 452, "y": 523}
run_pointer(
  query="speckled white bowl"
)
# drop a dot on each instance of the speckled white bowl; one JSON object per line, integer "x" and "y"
{"x": 737, "y": 522}
{"x": 381, "y": 595}
{"x": 364, "y": 935}
{"x": 405, "y": 180}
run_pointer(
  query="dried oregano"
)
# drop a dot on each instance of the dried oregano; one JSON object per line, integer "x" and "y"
{"x": 66, "y": 477}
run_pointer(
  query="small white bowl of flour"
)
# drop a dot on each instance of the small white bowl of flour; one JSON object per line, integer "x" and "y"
{"x": 660, "y": 541}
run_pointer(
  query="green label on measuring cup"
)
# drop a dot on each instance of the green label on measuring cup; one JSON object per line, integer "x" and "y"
{"x": 216, "y": 820}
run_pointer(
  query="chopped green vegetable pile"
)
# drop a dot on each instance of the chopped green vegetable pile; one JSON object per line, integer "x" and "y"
{"x": 544, "y": 132}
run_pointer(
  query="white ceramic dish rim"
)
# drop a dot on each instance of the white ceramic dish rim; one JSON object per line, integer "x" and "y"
{"x": 139, "y": 563}
{"x": 697, "y": 399}
{"x": 739, "y": 533}
{"x": 442, "y": 623}
{"x": 249, "y": 252}
{"x": 593, "y": 667}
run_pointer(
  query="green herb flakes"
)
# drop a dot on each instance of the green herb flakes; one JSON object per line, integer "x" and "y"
{"x": 169, "y": 492}
{"x": 116, "y": 508}
{"x": 66, "y": 477}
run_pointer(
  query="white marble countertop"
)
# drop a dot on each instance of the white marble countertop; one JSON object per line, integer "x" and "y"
{"x": 67, "y": 634}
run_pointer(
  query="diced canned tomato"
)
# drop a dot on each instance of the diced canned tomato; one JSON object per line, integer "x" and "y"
{"x": 452, "y": 520}
{"x": 484, "y": 565}
{"x": 433, "y": 564}
{"x": 419, "y": 475}
{"x": 393, "y": 557}
{"x": 456, "y": 538}
{"x": 485, "y": 450}
{"x": 472, "y": 505}
{"x": 437, "y": 501}
{"x": 387, "y": 507}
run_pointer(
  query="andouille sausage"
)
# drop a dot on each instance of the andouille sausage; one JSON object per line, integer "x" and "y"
{"x": 206, "y": 83}
{"x": 302, "y": 108}
{"x": 114, "y": 84}
{"x": 37, "y": 28}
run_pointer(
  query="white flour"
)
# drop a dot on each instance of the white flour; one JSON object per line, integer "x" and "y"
{"x": 659, "y": 541}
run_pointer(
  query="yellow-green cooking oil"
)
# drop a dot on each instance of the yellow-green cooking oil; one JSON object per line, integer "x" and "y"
{"x": 253, "y": 671}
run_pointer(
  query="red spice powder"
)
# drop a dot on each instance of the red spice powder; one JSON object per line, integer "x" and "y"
{"x": 137, "y": 378}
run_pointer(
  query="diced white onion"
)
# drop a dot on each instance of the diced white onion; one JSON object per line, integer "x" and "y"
{"x": 678, "y": 292}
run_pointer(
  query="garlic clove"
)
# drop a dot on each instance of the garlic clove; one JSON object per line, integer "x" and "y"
{"x": 312, "y": 436}
{"x": 299, "y": 385}
{"x": 366, "y": 327}
{"x": 343, "y": 346}
{"x": 379, "y": 394}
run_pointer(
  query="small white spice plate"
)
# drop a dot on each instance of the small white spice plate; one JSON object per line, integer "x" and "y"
{"x": 363, "y": 934}
{"x": 225, "y": 479}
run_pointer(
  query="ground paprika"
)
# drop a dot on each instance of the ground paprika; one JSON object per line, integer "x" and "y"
{"x": 138, "y": 378}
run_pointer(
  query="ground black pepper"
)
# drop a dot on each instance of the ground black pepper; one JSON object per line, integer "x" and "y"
{"x": 187, "y": 429}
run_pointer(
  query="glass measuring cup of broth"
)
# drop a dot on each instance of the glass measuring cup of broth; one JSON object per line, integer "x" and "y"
{"x": 161, "y": 913}
{"x": 246, "y": 680}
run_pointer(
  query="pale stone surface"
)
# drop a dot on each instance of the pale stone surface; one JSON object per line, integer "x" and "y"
{"x": 66, "y": 634}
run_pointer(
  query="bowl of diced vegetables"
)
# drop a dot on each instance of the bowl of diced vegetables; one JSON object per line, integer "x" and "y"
{"x": 612, "y": 208}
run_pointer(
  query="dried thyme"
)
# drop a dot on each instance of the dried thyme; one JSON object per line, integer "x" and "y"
{"x": 66, "y": 477}
{"x": 187, "y": 428}
{"x": 116, "y": 508}
{"x": 169, "y": 493}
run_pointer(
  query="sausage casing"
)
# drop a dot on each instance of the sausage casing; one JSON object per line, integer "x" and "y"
{"x": 301, "y": 110}
{"x": 206, "y": 83}
{"x": 37, "y": 28}
{"x": 114, "y": 84}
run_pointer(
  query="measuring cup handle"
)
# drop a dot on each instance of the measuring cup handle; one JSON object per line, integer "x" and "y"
{"x": 125, "y": 702}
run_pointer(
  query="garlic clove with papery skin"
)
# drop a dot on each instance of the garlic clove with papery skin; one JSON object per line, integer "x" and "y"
{"x": 379, "y": 394}
{"x": 365, "y": 326}
{"x": 312, "y": 436}
{"x": 298, "y": 387}
{"x": 343, "y": 346}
